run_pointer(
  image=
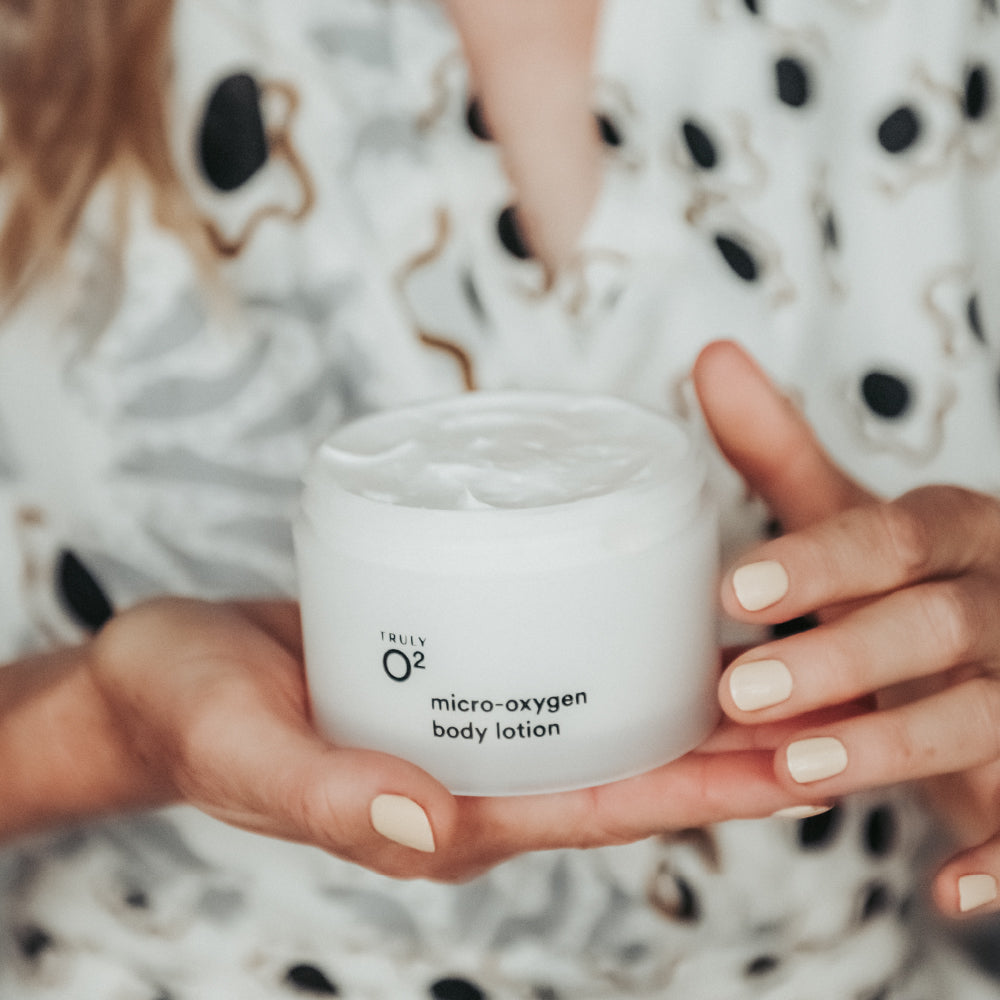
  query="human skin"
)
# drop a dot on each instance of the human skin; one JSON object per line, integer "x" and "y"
{"x": 205, "y": 703}
{"x": 906, "y": 591}
{"x": 530, "y": 67}
{"x": 922, "y": 573}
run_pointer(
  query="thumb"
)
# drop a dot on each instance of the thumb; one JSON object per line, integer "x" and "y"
{"x": 211, "y": 699}
{"x": 767, "y": 440}
{"x": 969, "y": 882}
{"x": 286, "y": 781}
{"x": 367, "y": 807}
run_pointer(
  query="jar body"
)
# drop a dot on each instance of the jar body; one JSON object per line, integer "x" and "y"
{"x": 507, "y": 676}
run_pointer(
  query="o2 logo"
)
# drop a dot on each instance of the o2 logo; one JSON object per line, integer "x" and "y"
{"x": 399, "y": 665}
{"x": 404, "y": 655}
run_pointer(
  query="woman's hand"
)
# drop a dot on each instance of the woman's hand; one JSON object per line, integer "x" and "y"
{"x": 184, "y": 700}
{"x": 209, "y": 701}
{"x": 908, "y": 597}
{"x": 207, "y": 704}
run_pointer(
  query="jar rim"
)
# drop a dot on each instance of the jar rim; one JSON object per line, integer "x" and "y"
{"x": 644, "y": 510}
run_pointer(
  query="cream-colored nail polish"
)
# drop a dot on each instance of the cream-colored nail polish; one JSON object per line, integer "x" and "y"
{"x": 975, "y": 891}
{"x": 759, "y": 684}
{"x": 401, "y": 820}
{"x": 759, "y": 585}
{"x": 801, "y": 812}
{"x": 816, "y": 758}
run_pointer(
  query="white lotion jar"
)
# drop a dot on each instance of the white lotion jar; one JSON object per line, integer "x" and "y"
{"x": 515, "y": 591}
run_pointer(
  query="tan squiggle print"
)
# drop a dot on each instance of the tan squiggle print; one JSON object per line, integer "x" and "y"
{"x": 440, "y": 96}
{"x": 281, "y": 147}
{"x": 432, "y": 340}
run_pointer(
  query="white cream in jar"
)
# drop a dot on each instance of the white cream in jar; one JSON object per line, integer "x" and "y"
{"x": 513, "y": 590}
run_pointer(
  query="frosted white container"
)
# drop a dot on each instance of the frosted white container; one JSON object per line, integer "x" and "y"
{"x": 515, "y": 591}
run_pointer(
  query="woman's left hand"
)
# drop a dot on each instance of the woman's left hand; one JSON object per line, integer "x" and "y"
{"x": 907, "y": 596}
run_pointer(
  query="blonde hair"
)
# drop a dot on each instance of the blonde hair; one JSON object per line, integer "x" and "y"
{"x": 83, "y": 88}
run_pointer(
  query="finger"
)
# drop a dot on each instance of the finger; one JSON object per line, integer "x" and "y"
{"x": 766, "y": 439}
{"x": 952, "y": 730}
{"x": 970, "y": 882}
{"x": 908, "y": 634}
{"x": 336, "y": 799}
{"x": 770, "y": 733}
{"x": 697, "y": 789}
{"x": 865, "y": 551}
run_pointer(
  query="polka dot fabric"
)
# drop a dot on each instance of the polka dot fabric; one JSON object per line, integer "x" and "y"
{"x": 829, "y": 171}
{"x": 819, "y": 179}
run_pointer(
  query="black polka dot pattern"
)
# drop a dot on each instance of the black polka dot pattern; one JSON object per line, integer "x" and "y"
{"x": 475, "y": 120}
{"x": 762, "y": 965}
{"x": 311, "y": 980}
{"x": 830, "y": 231}
{"x": 456, "y": 989}
{"x": 738, "y": 256}
{"x": 974, "y": 318}
{"x": 886, "y": 395}
{"x": 703, "y": 150}
{"x": 793, "y": 82}
{"x": 820, "y": 832}
{"x": 136, "y": 899}
{"x": 608, "y": 131}
{"x": 728, "y": 176}
{"x": 899, "y": 130}
{"x": 33, "y": 941}
{"x": 80, "y": 593}
{"x": 879, "y": 835}
{"x": 511, "y": 236}
{"x": 232, "y": 142}
{"x": 977, "y": 97}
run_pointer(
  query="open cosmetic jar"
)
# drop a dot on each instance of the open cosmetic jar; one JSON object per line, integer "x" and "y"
{"x": 515, "y": 590}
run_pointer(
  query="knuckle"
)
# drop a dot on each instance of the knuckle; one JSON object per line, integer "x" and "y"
{"x": 313, "y": 814}
{"x": 908, "y": 537}
{"x": 843, "y": 667}
{"x": 984, "y": 724}
{"x": 906, "y": 750}
{"x": 986, "y": 513}
{"x": 950, "y": 618}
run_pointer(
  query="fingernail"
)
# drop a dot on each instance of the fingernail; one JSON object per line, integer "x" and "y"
{"x": 759, "y": 585}
{"x": 759, "y": 684}
{"x": 801, "y": 812}
{"x": 816, "y": 758}
{"x": 975, "y": 891}
{"x": 401, "y": 820}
